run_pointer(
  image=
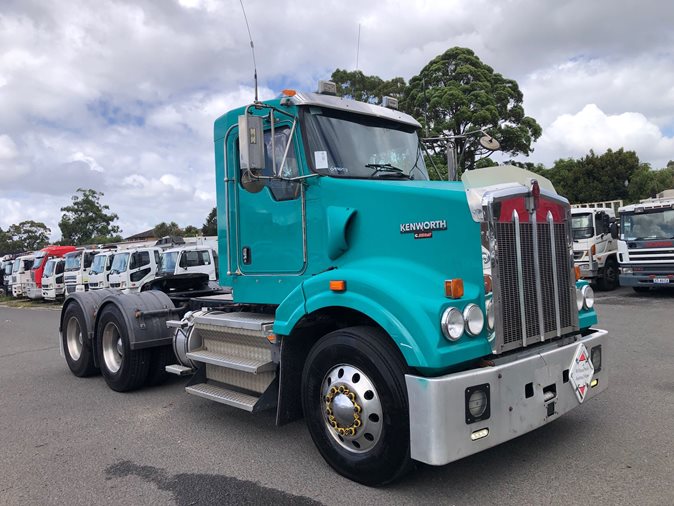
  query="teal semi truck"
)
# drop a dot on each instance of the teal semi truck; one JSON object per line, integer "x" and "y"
{"x": 405, "y": 319}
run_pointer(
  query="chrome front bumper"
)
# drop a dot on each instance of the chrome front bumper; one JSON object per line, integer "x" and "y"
{"x": 439, "y": 433}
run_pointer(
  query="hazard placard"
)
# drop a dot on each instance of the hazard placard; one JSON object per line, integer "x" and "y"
{"x": 581, "y": 372}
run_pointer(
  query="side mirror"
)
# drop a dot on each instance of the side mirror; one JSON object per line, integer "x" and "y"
{"x": 182, "y": 262}
{"x": 614, "y": 230}
{"x": 251, "y": 152}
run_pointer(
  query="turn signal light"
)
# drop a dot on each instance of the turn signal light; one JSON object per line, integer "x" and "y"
{"x": 593, "y": 249}
{"x": 577, "y": 269}
{"x": 454, "y": 288}
{"x": 338, "y": 285}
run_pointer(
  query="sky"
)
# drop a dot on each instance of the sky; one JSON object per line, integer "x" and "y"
{"x": 120, "y": 96}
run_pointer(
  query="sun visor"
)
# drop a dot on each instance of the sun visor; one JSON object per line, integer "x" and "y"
{"x": 503, "y": 175}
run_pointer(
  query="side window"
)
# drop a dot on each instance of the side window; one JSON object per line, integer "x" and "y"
{"x": 204, "y": 258}
{"x": 59, "y": 267}
{"x": 157, "y": 257}
{"x": 281, "y": 190}
{"x": 143, "y": 258}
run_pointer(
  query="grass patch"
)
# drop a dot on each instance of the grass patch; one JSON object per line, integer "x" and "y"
{"x": 14, "y": 302}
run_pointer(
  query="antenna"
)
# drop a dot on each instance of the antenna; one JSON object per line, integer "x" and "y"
{"x": 252, "y": 47}
{"x": 358, "y": 47}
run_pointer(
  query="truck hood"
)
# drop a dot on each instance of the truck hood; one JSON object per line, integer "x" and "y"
{"x": 427, "y": 224}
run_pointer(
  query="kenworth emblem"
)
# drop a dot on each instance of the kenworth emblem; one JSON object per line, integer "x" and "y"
{"x": 423, "y": 229}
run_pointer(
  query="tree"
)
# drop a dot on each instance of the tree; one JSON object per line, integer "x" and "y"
{"x": 191, "y": 231}
{"x": 211, "y": 225}
{"x": 28, "y": 235}
{"x": 456, "y": 94}
{"x": 164, "y": 229}
{"x": 356, "y": 85}
{"x": 86, "y": 219}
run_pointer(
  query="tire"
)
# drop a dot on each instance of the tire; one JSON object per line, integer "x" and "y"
{"x": 122, "y": 368}
{"x": 159, "y": 358}
{"x": 609, "y": 278}
{"x": 76, "y": 344}
{"x": 641, "y": 289}
{"x": 365, "y": 362}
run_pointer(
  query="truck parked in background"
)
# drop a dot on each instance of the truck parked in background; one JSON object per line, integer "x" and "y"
{"x": 595, "y": 242}
{"x": 360, "y": 297}
{"x": 99, "y": 275}
{"x": 53, "y": 284}
{"x": 78, "y": 264}
{"x": 34, "y": 287}
{"x": 21, "y": 274}
{"x": 646, "y": 246}
{"x": 186, "y": 259}
{"x": 132, "y": 268}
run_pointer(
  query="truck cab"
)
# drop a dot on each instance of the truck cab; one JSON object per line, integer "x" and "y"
{"x": 53, "y": 284}
{"x": 99, "y": 275}
{"x": 595, "y": 245}
{"x": 189, "y": 259}
{"x": 646, "y": 245}
{"x": 77, "y": 268}
{"x": 34, "y": 288}
{"x": 132, "y": 268}
{"x": 21, "y": 275}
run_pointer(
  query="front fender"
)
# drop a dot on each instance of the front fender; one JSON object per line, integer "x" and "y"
{"x": 405, "y": 299}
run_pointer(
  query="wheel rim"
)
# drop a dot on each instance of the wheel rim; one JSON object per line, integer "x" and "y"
{"x": 351, "y": 408}
{"x": 113, "y": 348}
{"x": 74, "y": 338}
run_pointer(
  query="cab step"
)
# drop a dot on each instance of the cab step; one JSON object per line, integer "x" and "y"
{"x": 250, "y": 365}
{"x": 223, "y": 396}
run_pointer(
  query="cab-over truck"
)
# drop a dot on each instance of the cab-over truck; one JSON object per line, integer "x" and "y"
{"x": 359, "y": 296}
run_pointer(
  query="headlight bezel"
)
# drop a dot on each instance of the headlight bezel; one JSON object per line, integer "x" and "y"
{"x": 471, "y": 312}
{"x": 588, "y": 297}
{"x": 452, "y": 324}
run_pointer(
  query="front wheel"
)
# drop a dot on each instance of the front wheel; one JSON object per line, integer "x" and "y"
{"x": 355, "y": 404}
{"x": 75, "y": 342}
{"x": 609, "y": 278}
{"x": 122, "y": 368}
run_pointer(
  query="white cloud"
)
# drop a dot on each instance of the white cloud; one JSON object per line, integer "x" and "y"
{"x": 7, "y": 148}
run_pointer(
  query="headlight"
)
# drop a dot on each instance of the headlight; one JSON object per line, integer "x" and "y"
{"x": 579, "y": 299}
{"x": 588, "y": 296}
{"x": 474, "y": 319}
{"x": 626, "y": 270}
{"x": 452, "y": 323}
{"x": 490, "y": 314}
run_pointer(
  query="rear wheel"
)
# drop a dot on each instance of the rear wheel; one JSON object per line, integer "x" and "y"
{"x": 76, "y": 344}
{"x": 123, "y": 369}
{"x": 609, "y": 279}
{"x": 355, "y": 404}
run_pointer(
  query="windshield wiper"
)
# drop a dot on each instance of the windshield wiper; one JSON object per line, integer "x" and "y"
{"x": 386, "y": 167}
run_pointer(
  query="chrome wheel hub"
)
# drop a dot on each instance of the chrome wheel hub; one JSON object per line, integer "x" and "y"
{"x": 113, "y": 348}
{"x": 74, "y": 339}
{"x": 352, "y": 409}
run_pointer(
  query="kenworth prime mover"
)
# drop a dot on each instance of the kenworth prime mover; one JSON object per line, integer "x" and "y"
{"x": 355, "y": 295}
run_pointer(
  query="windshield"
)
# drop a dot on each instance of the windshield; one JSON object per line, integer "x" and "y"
{"x": 98, "y": 265}
{"x": 73, "y": 262}
{"x": 356, "y": 146}
{"x": 120, "y": 263}
{"x": 649, "y": 225}
{"x": 49, "y": 268}
{"x": 167, "y": 262}
{"x": 581, "y": 224}
{"x": 38, "y": 260}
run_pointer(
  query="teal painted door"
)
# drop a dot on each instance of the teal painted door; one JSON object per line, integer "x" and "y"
{"x": 271, "y": 228}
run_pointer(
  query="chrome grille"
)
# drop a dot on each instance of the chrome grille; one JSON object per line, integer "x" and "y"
{"x": 514, "y": 321}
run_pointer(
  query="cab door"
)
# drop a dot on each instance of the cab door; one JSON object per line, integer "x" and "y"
{"x": 269, "y": 220}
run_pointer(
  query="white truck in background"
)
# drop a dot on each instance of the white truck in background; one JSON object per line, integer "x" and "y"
{"x": 200, "y": 259}
{"x": 646, "y": 245}
{"x": 595, "y": 245}
{"x": 99, "y": 275}
{"x": 21, "y": 274}
{"x": 53, "y": 284}
{"x": 131, "y": 268}
{"x": 77, "y": 268}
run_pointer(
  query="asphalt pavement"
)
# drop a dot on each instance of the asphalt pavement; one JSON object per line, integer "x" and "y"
{"x": 66, "y": 440}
